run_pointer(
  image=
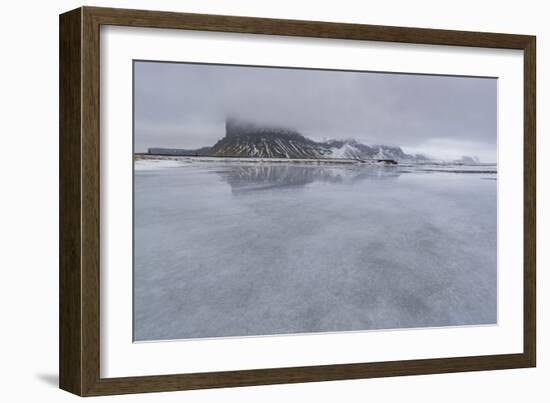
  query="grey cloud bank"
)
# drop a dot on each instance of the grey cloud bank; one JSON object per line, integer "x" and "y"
{"x": 185, "y": 105}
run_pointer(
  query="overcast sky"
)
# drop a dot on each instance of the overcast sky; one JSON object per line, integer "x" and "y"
{"x": 183, "y": 105}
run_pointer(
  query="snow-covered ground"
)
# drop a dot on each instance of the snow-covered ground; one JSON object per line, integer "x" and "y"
{"x": 154, "y": 164}
{"x": 229, "y": 249}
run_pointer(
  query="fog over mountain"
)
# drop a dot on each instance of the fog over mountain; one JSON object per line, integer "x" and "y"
{"x": 180, "y": 105}
{"x": 247, "y": 139}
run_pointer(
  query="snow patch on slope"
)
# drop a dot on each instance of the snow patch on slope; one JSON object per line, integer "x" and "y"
{"x": 346, "y": 151}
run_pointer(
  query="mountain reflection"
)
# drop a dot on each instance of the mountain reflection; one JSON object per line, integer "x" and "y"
{"x": 258, "y": 177}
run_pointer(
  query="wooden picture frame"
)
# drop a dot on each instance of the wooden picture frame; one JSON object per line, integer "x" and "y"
{"x": 79, "y": 346}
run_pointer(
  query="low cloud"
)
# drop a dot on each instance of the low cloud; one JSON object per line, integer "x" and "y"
{"x": 185, "y": 105}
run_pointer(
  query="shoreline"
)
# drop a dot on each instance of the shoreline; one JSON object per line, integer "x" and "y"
{"x": 255, "y": 160}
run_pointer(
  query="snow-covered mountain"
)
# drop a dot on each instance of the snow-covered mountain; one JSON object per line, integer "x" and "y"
{"x": 465, "y": 159}
{"x": 356, "y": 150}
{"x": 246, "y": 139}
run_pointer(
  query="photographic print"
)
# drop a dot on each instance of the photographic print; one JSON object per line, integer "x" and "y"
{"x": 277, "y": 201}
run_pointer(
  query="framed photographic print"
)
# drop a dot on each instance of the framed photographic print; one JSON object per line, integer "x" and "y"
{"x": 248, "y": 201}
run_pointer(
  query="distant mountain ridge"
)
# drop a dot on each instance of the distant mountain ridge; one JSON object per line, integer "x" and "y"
{"x": 246, "y": 139}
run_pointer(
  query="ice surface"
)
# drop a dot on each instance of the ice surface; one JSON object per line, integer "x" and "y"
{"x": 254, "y": 249}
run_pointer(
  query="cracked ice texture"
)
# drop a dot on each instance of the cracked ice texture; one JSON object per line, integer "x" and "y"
{"x": 238, "y": 250}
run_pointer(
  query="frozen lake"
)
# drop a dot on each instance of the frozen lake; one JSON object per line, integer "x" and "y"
{"x": 235, "y": 249}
